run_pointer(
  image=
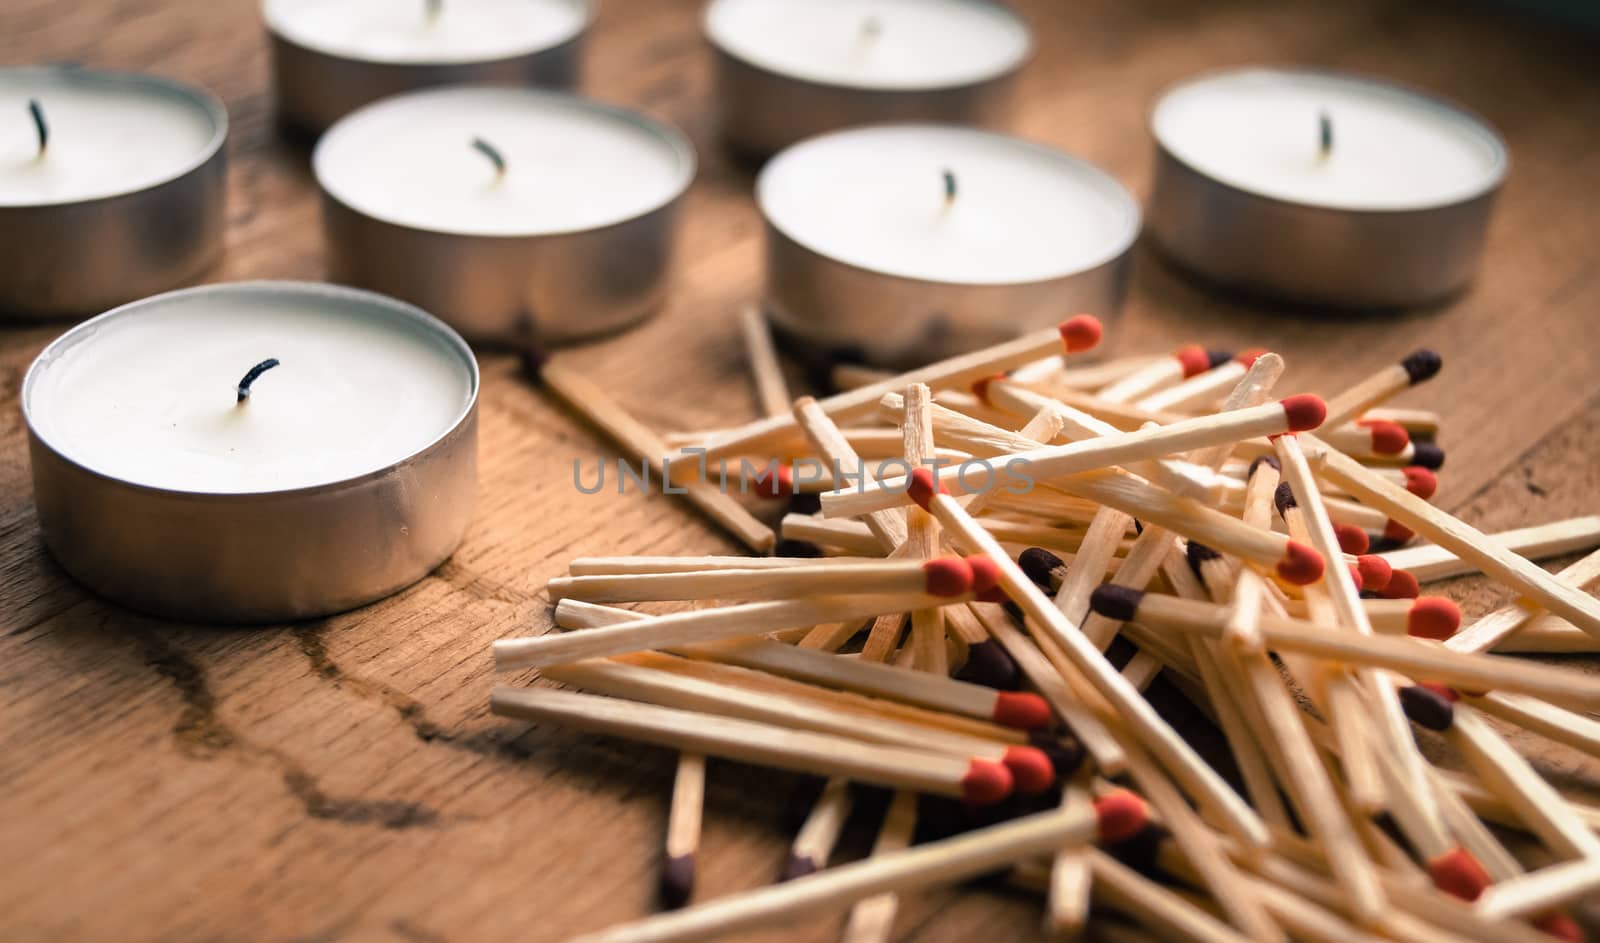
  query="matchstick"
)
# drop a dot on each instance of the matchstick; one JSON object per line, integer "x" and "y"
{"x": 1297, "y": 413}
{"x": 846, "y": 536}
{"x": 1070, "y": 878}
{"x": 1467, "y": 542}
{"x": 705, "y": 625}
{"x": 1203, "y": 389}
{"x": 1165, "y": 912}
{"x": 1417, "y": 659}
{"x": 1417, "y": 422}
{"x": 645, "y": 565}
{"x": 944, "y": 576}
{"x": 845, "y": 375}
{"x": 772, "y": 393}
{"x": 1081, "y": 376}
{"x": 683, "y": 830}
{"x": 1111, "y": 819}
{"x": 1077, "y": 334}
{"x": 887, "y": 525}
{"x": 643, "y": 445}
{"x": 1188, "y": 361}
{"x": 814, "y": 843}
{"x": 1019, "y": 709}
{"x": 872, "y": 918}
{"x": 1368, "y": 437}
{"x": 922, "y": 531}
{"x": 1508, "y": 621}
{"x": 1176, "y": 755}
{"x": 976, "y": 781}
{"x": 1429, "y": 562}
{"x": 1538, "y": 891}
{"x": 1430, "y": 617}
{"x": 1546, "y": 634}
{"x": 1418, "y": 367}
{"x": 1550, "y": 721}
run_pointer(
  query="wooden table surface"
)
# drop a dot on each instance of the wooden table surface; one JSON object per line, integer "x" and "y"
{"x": 342, "y": 779}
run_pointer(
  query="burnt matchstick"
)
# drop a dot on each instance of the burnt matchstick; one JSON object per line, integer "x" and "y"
{"x": 1044, "y": 568}
{"x": 1429, "y": 705}
{"x": 1417, "y": 367}
{"x": 1324, "y": 135}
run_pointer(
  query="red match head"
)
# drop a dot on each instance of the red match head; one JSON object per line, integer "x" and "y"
{"x": 1397, "y": 532}
{"x": 1444, "y": 691}
{"x": 923, "y": 486}
{"x": 1193, "y": 359}
{"x": 1119, "y": 815}
{"x": 1375, "y": 572}
{"x": 1355, "y": 576}
{"x": 1304, "y": 412}
{"x": 1352, "y": 539}
{"x": 1433, "y": 617}
{"x": 1559, "y": 925}
{"x": 948, "y": 576}
{"x": 1457, "y": 872}
{"x": 986, "y": 782}
{"x": 1023, "y": 710}
{"x": 1300, "y": 564}
{"x": 1402, "y": 585}
{"x": 1248, "y": 358}
{"x": 1030, "y": 768}
{"x": 779, "y": 484}
{"x": 1388, "y": 438}
{"x": 980, "y": 386}
{"x": 1081, "y": 332}
{"x": 1420, "y": 481}
{"x": 985, "y": 573}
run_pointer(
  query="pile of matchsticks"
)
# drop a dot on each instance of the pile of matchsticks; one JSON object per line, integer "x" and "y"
{"x": 945, "y": 633}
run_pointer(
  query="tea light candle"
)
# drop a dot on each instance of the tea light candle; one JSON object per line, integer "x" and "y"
{"x": 253, "y": 452}
{"x": 907, "y": 243}
{"x": 111, "y": 187}
{"x": 330, "y": 57}
{"x": 1321, "y": 187}
{"x": 513, "y": 213}
{"x": 790, "y": 69}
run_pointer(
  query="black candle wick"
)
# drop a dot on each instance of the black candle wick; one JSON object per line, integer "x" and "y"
{"x": 949, "y": 186}
{"x": 871, "y": 27}
{"x": 433, "y": 8}
{"x": 493, "y": 153}
{"x": 251, "y": 375}
{"x": 39, "y": 124}
{"x": 1325, "y": 134}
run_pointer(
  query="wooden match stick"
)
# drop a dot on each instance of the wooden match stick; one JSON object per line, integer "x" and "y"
{"x": 922, "y": 531}
{"x": 1165, "y": 912}
{"x": 944, "y": 576}
{"x": 976, "y": 781}
{"x": 1508, "y": 621}
{"x": 935, "y": 863}
{"x": 1297, "y": 413}
{"x": 1081, "y": 376}
{"x": 1018, "y": 709}
{"x": 1548, "y": 720}
{"x": 1076, "y": 334}
{"x": 772, "y": 393}
{"x": 872, "y": 918}
{"x": 1537, "y": 891}
{"x": 1191, "y": 360}
{"x": 1548, "y": 635}
{"x": 1069, "y": 881}
{"x": 1418, "y": 367}
{"x": 1429, "y": 562}
{"x": 645, "y": 565}
{"x": 1367, "y": 438}
{"x": 1176, "y": 755}
{"x": 1431, "y": 617}
{"x": 813, "y": 844}
{"x": 887, "y": 525}
{"x": 1424, "y": 660}
{"x": 1418, "y": 422}
{"x": 705, "y": 625}
{"x": 643, "y": 445}
{"x": 1466, "y": 542}
{"x": 683, "y": 830}
{"x": 1204, "y": 389}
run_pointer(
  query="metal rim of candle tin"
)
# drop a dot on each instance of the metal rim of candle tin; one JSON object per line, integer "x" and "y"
{"x": 844, "y": 311}
{"x": 70, "y": 258}
{"x": 259, "y": 557}
{"x": 1313, "y": 255}
{"x": 763, "y": 111}
{"x": 552, "y": 287}
{"x": 314, "y": 88}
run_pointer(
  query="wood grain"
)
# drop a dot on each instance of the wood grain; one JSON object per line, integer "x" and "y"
{"x": 342, "y": 780}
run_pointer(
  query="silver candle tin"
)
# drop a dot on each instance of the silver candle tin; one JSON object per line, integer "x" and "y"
{"x": 315, "y": 88}
{"x": 259, "y": 557}
{"x": 553, "y": 288}
{"x": 841, "y": 310}
{"x": 73, "y": 258}
{"x": 1313, "y": 255}
{"x": 763, "y": 111}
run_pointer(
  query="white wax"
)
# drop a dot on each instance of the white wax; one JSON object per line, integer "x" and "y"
{"x": 875, "y": 198}
{"x": 108, "y": 134}
{"x": 571, "y": 164}
{"x": 1259, "y": 130}
{"x": 147, "y": 394}
{"x": 403, "y": 31}
{"x": 879, "y": 44}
